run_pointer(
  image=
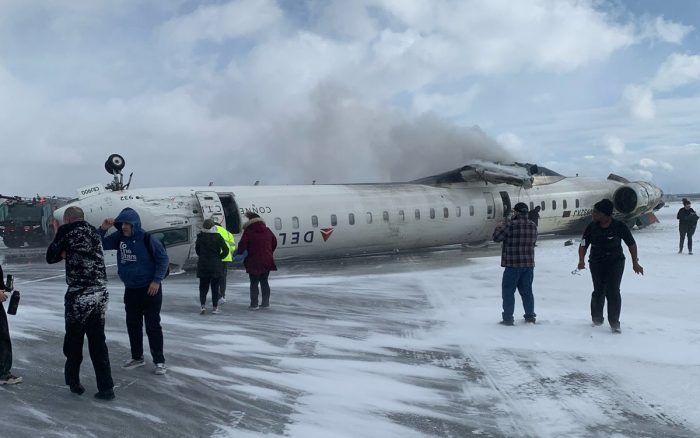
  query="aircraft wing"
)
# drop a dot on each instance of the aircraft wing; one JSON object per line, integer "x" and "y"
{"x": 516, "y": 174}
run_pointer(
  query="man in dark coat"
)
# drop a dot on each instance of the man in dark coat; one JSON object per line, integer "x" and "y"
{"x": 211, "y": 249}
{"x": 519, "y": 236}
{"x": 85, "y": 302}
{"x": 260, "y": 242}
{"x": 142, "y": 264}
{"x": 687, "y": 222}
{"x": 534, "y": 215}
{"x": 6, "y": 377}
{"x": 605, "y": 236}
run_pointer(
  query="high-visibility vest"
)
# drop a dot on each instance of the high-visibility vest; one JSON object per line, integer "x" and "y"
{"x": 230, "y": 241}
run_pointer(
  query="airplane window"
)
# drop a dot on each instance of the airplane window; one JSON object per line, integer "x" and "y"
{"x": 563, "y": 204}
{"x": 402, "y": 217}
{"x": 417, "y": 214}
{"x": 554, "y": 205}
{"x": 432, "y": 213}
{"x": 459, "y": 211}
{"x": 334, "y": 220}
{"x": 172, "y": 236}
{"x": 385, "y": 216}
{"x": 543, "y": 205}
{"x": 489, "y": 210}
{"x": 278, "y": 223}
{"x": 295, "y": 222}
{"x": 471, "y": 210}
{"x": 577, "y": 204}
{"x": 314, "y": 221}
{"x": 351, "y": 218}
{"x": 446, "y": 212}
{"x": 369, "y": 217}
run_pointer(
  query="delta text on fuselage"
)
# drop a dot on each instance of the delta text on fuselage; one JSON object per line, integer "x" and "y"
{"x": 323, "y": 221}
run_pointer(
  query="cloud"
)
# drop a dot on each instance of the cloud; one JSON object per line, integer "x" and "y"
{"x": 614, "y": 144}
{"x": 664, "y": 30}
{"x": 677, "y": 70}
{"x": 447, "y": 105}
{"x": 640, "y": 102}
{"x": 220, "y": 22}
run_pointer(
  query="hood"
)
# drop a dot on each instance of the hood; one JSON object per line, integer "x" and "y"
{"x": 128, "y": 216}
{"x": 253, "y": 224}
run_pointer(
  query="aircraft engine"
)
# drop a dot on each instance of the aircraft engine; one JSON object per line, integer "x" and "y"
{"x": 637, "y": 198}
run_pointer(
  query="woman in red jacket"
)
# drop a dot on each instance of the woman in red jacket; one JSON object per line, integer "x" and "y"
{"x": 260, "y": 243}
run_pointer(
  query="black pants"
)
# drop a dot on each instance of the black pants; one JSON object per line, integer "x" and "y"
{"x": 254, "y": 280}
{"x": 142, "y": 307}
{"x": 5, "y": 344}
{"x": 94, "y": 328}
{"x": 689, "y": 233}
{"x": 607, "y": 276}
{"x": 222, "y": 280}
{"x": 204, "y": 284}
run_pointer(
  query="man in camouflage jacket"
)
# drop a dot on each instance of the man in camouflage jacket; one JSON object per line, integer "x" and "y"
{"x": 85, "y": 301}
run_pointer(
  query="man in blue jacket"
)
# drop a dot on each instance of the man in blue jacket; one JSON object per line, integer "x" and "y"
{"x": 142, "y": 264}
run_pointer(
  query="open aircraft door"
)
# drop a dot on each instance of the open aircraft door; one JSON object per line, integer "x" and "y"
{"x": 211, "y": 207}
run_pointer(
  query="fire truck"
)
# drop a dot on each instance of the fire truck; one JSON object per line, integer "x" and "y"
{"x": 28, "y": 221}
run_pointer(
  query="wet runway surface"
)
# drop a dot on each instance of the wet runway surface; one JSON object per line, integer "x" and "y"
{"x": 348, "y": 348}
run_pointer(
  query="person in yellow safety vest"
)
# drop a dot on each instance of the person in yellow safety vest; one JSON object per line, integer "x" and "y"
{"x": 231, "y": 242}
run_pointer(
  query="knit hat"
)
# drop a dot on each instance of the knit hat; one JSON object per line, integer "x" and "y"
{"x": 686, "y": 201}
{"x": 605, "y": 206}
{"x": 208, "y": 224}
{"x": 521, "y": 207}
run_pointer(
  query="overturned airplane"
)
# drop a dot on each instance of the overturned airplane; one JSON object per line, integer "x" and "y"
{"x": 319, "y": 221}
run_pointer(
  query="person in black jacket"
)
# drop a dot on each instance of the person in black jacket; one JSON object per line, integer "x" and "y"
{"x": 6, "y": 377}
{"x": 534, "y": 215}
{"x": 211, "y": 248}
{"x": 85, "y": 302}
{"x": 605, "y": 235}
{"x": 687, "y": 221}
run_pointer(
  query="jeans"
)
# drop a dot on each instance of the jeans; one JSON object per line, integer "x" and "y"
{"x": 607, "y": 276}
{"x": 204, "y": 284}
{"x": 94, "y": 328}
{"x": 222, "y": 280}
{"x": 254, "y": 280}
{"x": 520, "y": 278}
{"x": 5, "y": 344}
{"x": 142, "y": 307}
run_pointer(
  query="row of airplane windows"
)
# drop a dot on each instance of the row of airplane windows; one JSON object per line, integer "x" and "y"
{"x": 402, "y": 215}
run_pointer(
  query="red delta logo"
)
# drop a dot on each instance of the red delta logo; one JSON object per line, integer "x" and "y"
{"x": 326, "y": 233}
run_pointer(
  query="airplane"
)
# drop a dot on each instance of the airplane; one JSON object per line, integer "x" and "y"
{"x": 314, "y": 221}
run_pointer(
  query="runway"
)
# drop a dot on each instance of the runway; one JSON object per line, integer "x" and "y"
{"x": 391, "y": 346}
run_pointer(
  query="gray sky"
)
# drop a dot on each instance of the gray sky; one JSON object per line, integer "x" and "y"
{"x": 339, "y": 91}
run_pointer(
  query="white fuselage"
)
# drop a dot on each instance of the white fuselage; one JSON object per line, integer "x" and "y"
{"x": 318, "y": 221}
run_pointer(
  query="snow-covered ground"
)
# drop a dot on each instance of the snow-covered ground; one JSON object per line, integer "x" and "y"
{"x": 398, "y": 346}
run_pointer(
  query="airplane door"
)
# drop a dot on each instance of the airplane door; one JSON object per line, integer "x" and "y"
{"x": 490, "y": 205}
{"x": 211, "y": 206}
{"x": 506, "y": 203}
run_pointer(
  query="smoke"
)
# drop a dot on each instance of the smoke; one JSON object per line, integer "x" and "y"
{"x": 339, "y": 137}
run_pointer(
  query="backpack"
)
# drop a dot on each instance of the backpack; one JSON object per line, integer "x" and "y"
{"x": 147, "y": 242}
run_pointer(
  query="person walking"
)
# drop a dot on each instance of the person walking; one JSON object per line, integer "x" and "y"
{"x": 230, "y": 240}
{"x": 260, "y": 242}
{"x": 211, "y": 249}
{"x": 687, "y": 222}
{"x": 142, "y": 263}
{"x": 518, "y": 237}
{"x": 85, "y": 301}
{"x": 6, "y": 377}
{"x": 534, "y": 216}
{"x": 607, "y": 262}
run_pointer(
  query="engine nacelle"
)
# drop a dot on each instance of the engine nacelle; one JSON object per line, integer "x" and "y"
{"x": 637, "y": 198}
